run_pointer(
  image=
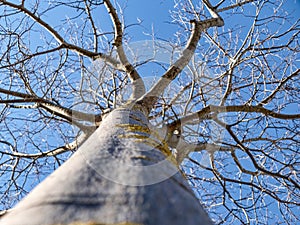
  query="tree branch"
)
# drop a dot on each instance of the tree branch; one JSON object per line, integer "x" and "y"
{"x": 174, "y": 70}
{"x": 235, "y": 5}
{"x": 138, "y": 84}
{"x": 260, "y": 168}
{"x": 183, "y": 148}
{"x": 70, "y": 114}
{"x": 3, "y": 212}
{"x": 62, "y": 149}
{"x": 251, "y": 184}
{"x": 58, "y": 110}
{"x": 281, "y": 84}
{"x": 64, "y": 44}
{"x": 204, "y": 113}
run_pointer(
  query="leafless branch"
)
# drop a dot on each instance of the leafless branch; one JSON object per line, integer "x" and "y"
{"x": 138, "y": 84}
{"x": 66, "y": 113}
{"x": 61, "y": 40}
{"x": 235, "y": 5}
{"x": 205, "y": 113}
{"x": 54, "y": 152}
{"x": 199, "y": 26}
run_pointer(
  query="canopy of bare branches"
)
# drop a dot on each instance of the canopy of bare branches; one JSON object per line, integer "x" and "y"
{"x": 227, "y": 95}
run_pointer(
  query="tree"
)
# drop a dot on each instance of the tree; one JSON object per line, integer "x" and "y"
{"x": 224, "y": 112}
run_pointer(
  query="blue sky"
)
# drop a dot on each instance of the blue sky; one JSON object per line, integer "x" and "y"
{"x": 156, "y": 18}
{"x": 154, "y": 15}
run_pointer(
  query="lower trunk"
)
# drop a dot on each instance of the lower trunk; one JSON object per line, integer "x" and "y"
{"x": 119, "y": 175}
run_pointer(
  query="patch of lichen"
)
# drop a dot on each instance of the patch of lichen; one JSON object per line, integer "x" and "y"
{"x": 144, "y": 135}
{"x": 134, "y": 128}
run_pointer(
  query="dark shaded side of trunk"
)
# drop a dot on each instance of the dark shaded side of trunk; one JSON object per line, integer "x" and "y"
{"x": 118, "y": 175}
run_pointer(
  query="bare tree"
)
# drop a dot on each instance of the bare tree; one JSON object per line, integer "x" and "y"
{"x": 224, "y": 112}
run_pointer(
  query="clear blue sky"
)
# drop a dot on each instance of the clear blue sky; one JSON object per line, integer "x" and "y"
{"x": 154, "y": 14}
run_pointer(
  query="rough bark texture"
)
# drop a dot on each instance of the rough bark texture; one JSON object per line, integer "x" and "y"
{"x": 117, "y": 176}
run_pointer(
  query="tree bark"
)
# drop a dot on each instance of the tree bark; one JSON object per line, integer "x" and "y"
{"x": 120, "y": 175}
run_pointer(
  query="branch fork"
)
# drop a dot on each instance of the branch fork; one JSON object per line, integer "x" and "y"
{"x": 175, "y": 69}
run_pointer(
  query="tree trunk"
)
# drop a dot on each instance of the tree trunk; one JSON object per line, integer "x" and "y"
{"x": 118, "y": 176}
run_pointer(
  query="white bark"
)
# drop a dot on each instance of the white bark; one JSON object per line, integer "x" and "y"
{"x": 118, "y": 175}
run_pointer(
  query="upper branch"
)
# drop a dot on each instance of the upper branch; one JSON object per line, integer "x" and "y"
{"x": 281, "y": 84}
{"x": 174, "y": 70}
{"x": 235, "y": 5}
{"x": 138, "y": 85}
{"x": 70, "y": 114}
{"x": 59, "y": 150}
{"x": 61, "y": 40}
{"x": 257, "y": 165}
{"x": 58, "y": 110}
{"x": 206, "y": 112}
{"x": 183, "y": 148}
